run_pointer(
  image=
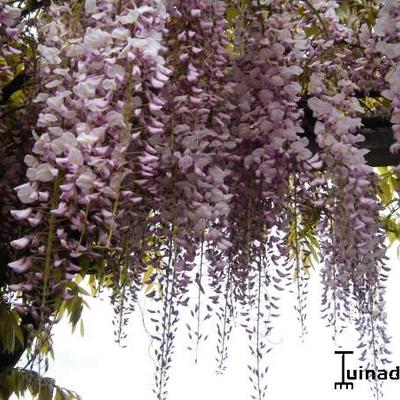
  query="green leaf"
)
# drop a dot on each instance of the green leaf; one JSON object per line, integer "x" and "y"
{"x": 232, "y": 13}
{"x": 59, "y": 395}
{"x": 383, "y": 170}
{"x": 45, "y": 392}
{"x": 344, "y": 11}
{"x": 313, "y": 32}
{"x": 82, "y": 329}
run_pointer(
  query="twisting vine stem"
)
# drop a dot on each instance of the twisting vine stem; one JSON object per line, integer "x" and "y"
{"x": 170, "y": 282}
{"x": 317, "y": 14}
{"x": 199, "y": 299}
{"x": 47, "y": 267}
{"x": 123, "y": 283}
{"x": 297, "y": 255}
{"x": 227, "y": 309}
{"x": 374, "y": 349}
{"x": 49, "y": 247}
{"x": 258, "y": 350}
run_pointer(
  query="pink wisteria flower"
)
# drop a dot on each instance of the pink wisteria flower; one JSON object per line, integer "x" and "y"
{"x": 204, "y": 144}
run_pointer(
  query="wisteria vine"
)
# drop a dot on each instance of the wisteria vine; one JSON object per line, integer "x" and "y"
{"x": 166, "y": 145}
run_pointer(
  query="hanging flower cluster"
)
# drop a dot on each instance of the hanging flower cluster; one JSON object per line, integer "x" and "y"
{"x": 353, "y": 244}
{"x": 92, "y": 76}
{"x": 9, "y": 32}
{"x": 15, "y": 142}
{"x": 10, "y": 29}
{"x": 387, "y": 30}
{"x": 211, "y": 146}
{"x": 263, "y": 93}
{"x": 192, "y": 147}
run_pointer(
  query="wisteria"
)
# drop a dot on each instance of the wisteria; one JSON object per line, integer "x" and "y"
{"x": 10, "y": 29}
{"x": 206, "y": 153}
{"x": 387, "y": 31}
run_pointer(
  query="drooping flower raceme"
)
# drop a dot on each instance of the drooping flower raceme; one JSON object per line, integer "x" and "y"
{"x": 191, "y": 173}
{"x": 353, "y": 273}
{"x": 173, "y": 149}
{"x": 387, "y": 29}
{"x": 93, "y": 79}
{"x": 10, "y": 29}
{"x": 262, "y": 92}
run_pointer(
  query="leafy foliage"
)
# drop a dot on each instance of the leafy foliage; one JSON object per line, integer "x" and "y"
{"x": 20, "y": 382}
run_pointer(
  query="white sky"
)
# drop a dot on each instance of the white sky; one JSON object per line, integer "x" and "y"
{"x": 98, "y": 369}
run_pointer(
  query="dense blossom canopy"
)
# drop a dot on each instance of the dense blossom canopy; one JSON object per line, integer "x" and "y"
{"x": 196, "y": 146}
